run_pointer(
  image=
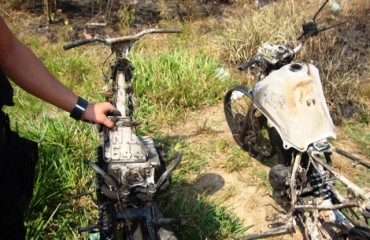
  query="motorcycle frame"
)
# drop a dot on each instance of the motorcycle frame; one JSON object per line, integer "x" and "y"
{"x": 122, "y": 198}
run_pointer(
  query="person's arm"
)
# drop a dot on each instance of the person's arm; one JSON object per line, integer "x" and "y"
{"x": 28, "y": 72}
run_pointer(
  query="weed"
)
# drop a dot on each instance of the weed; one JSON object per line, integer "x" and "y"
{"x": 356, "y": 131}
{"x": 204, "y": 218}
{"x": 126, "y": 16}
{"x": 172, "y": 82}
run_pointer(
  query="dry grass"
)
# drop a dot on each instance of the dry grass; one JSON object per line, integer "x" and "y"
{"x": 233, "y": 34}
{"x": 340, "y": 53}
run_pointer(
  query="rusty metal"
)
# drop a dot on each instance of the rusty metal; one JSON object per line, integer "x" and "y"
{"x": 279, "y": 231}
{"x": 352, "y": 157}
{"x": 332, "y": 207}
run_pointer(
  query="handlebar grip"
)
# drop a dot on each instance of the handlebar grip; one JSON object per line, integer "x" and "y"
{"x": 77, "y": 43}
{"x": 247, "y": 64}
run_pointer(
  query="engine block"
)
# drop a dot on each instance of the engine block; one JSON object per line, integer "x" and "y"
{"x": 132, "y": 160}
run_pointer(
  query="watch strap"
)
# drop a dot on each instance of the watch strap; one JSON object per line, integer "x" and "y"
{"x": 79, "y": 108}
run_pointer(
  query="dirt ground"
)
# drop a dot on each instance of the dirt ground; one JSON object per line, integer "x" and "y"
{"x": 250, "y": 200}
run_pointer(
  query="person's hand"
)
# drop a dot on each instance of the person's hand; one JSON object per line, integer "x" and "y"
{"x": 97, "y": 113}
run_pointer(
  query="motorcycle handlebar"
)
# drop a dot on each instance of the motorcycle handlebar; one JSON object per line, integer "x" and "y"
{"x": 247, "y": 64}
{"x": 109, "y": 41}
{"x": 77, "y": 43}
{"x": 142, "y": 33}
{"x": 298, "y": 48}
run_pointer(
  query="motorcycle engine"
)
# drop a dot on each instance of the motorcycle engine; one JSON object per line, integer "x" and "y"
{"x": 279, "y": 177}
{"x": 132, "y": 161}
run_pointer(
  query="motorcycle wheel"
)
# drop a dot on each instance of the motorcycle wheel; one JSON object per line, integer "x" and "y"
{"x": 247, "y": 125}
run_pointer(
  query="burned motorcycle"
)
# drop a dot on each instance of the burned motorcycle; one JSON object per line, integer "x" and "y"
{"x": 285, "y": 113}
{"x": 131, "y": 170}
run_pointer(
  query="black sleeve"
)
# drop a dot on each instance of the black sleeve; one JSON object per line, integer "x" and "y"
{"x": 6, "y": 91}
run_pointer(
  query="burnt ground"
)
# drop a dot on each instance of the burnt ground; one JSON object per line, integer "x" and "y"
{"x": 246, "y": 192}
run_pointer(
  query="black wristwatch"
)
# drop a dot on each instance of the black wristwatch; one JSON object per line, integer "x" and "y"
{"x": 79, "y": 108}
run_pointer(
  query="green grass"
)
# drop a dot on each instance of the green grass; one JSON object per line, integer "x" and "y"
{"x": 170, "y": 83}
{"x": 203, "y": 218}
{"x": 60, "y": 173}
{"x": 356, "y": 130}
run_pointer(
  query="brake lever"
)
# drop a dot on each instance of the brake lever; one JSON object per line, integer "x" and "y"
{"x": 310, "y": 29}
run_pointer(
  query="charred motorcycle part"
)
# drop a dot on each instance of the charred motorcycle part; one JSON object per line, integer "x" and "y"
{"x": 294, "y": 89}
{"x": 319, "y": 185}
{"x": 129, "y": 169}
{"x": 279, "y": 176}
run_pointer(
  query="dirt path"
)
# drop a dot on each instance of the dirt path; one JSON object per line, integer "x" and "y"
{"x": 244, "y": 191}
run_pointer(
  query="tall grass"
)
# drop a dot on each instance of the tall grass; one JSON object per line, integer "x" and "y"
{"x": 60, "y": 173}
{"x": 251, "y": 28}
{"x": 172, "y": 82}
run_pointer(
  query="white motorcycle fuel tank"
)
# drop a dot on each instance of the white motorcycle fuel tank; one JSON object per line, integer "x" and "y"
{"x": 293, "y": 101}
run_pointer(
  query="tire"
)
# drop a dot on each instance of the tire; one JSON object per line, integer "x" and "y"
{"x": 247, "y": 125}
{"x": 236, "y": 105}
